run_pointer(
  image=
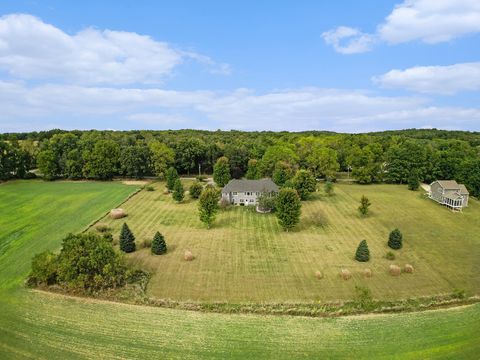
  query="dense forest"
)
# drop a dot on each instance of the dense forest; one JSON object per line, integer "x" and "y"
{"x": 391, "y": 156}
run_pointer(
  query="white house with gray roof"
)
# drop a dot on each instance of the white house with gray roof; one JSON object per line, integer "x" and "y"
{"x": 449, "y": 193}
{"x": 246, "y": 192}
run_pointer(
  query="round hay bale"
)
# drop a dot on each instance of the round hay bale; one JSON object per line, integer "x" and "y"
{"x": 408, "y": 269}
{"x": 345, "y": 274}
{"x": 188, "y": 256}
{"x": 318, "y": 274}
{"x": 367, "y": 273}
{"x": 395, "y": 270}
{"x": 117, "y": 213}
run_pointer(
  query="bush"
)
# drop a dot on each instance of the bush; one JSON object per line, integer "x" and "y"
{"x": 395, "y": 239}
{"x": 390, "y": 255}
{"x": 127, "y": 239}
{"x": 108, "y": 236}
{"x": 149, "y": 188}
{"x": 413, "y": 183}
{"x": 364, "y": 207}
{"x": 201, "y": 178}
{"x": 363, "y": 253}
{"x": 102, "y": 227}
{"x": 195, "y": 190}
{"x": 159, "y": 246}
{"x": 328, "y": 188}
{"x": 44, "y": 269}
{"x": 266, "y": 201}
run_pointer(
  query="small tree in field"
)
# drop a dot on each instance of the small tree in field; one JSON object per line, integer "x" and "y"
{"x": 328, "y": 188}
{"x": 221, "y": 171}
{"x": 127, "y": 239}
{"x": 395, "y": 239}
{"x": 159, "y": 246}
{"x": 413, "y": 183}
{"x": 362, "y": 254}
{"x": 171, "y": 177}
{"x": 208, "y": 206}
{"x": 195, "y": 190}
{"x": 364, "y": 207}
{"x": 288, "y": 208}
{"x": 178, "y": 191}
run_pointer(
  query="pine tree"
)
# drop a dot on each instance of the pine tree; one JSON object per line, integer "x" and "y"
{"x": 364, "y": 206}
{"x": 395, "y": 239}
{"x": 171, "y": 177}
{"x": 221, "y": 171}
{"x": 159, "y": 246}
{"x": 288, "y": 208}
{"x": 362, "y": 254}
{"x": 127, "y": 239}
{"x": 178, "y": 191}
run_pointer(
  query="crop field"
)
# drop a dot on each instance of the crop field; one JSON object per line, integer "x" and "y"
{"x": 246, "y": 257}
{"x": 34, "y": 216}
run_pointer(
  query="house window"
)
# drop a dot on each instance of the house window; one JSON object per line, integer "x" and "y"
{"x": 251, "y": 200}
{"x": 247, "y": 193}
{"x": 241, "y": 200}
{"x": 234, "y": 193}
{"x": 257, "y": 193}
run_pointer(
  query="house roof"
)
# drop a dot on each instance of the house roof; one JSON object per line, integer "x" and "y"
{"x": 453, "y": 186}
{"x": 452, "y": 195}
{"x": 242, "y": 185}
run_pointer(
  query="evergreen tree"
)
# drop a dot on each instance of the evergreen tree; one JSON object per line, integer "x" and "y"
{"x": 171, "y": 177}
{"x": 395, "y": 239}
{"x": 159, "y": 246}
{"x": 127, "y": 239}
{"x": 364, "y": 206}
{"x": 362, "y": 254}
{"x": 304, "y": 183}
{"x": 221, "y": 171}
{"x": 288, "y": 208}
{"x": 208, "y": 205}
{"x": 195, "y": 190}
{"x": 328, "y": 188}
{"x": 178, "y": 191}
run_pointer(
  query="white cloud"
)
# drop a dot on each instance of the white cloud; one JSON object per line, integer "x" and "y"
{"x": 446, "y": 80}
{"x": 32, "y": 49}
{"x": 347, "y": 40}
{"x": 429, "y": 21}
{"x": 289, "y": 109}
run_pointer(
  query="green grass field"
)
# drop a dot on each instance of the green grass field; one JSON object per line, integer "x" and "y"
{"x": 246, "y": 257}
{"x": 34, "y": 216}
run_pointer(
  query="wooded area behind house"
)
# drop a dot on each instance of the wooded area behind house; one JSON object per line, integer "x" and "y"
{"x": 391, "y": 156}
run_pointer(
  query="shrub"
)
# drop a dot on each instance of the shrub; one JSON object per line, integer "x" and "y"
{"x": 117, "y": 213}
{"x": 363, "y": 253}
{"x": 413, "y": 183}
{"x": 390, "y": 255}
{"x": 266, "y": 202}
{"x": 195, "y": 190}
{"x": 318, "y": 274}
{"x": 108, "y": 236}
{"x": 102, "y": 227}
{"x": 345, "y": 274}
{"x": 328, "y": 188}
{"x": 44, "y": 269}
{"x": 395, "y": 239}
{"x": 159, "y": 246}
{"x": 188, "y": 256}
{"x": 394, "y": 270}
{"x": 178, "y": 191}
{"x": 367, "y": 273}
{"x": 364, "y": 207}
{"x": 288, "y": 208}
{"x": 408, "y": 269}
{"x": 127, "y": 239}
{"x": 149, "y": 188}
{"x": 363, "y": 297}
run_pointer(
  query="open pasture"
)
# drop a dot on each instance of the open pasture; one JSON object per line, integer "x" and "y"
{"x": 246, "y": 257}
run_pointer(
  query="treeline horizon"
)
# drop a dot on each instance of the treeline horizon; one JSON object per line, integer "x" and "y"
{"x": 394, "y": 156}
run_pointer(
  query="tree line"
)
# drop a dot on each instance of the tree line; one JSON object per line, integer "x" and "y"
{"x": 393, "y": 156}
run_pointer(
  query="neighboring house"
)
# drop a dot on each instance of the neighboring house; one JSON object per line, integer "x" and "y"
{"x": 246, "y": 192}
{"x": 449, "y": 193}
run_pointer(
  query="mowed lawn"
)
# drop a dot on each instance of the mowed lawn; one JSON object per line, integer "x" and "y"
{"x": 35, "y": 325}
{"x": 246, "y": 257}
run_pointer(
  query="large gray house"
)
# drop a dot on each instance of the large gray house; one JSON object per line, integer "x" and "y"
{"x": 246, "y": 192}
{"x": 449, "y": 193}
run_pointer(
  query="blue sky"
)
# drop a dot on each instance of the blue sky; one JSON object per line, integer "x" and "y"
{"x": 252, "y": 65}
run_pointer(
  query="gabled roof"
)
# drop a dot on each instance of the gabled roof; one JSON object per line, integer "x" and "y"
{"x": 463, "y": 190}
{"x": 242, "y": 185}
{"x": 448, "y": 184}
